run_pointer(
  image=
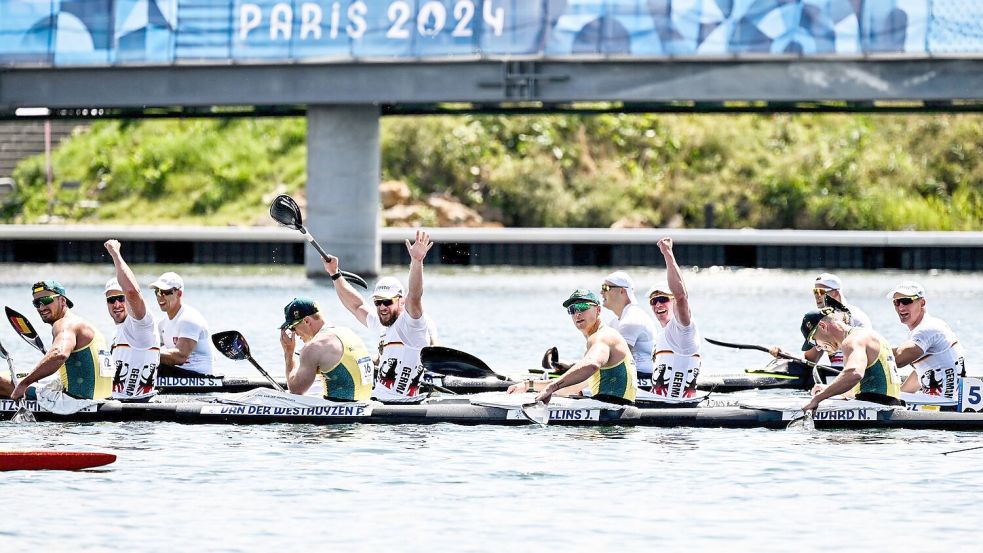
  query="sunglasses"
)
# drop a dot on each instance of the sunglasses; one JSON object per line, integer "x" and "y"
{"x": 605, "y": 287}
{"x": 44, "y": 300}
{"x": 579, "y": 307}
{"x": 161, "y": 293}
{"x": 113, "y": 299}
{"x": 655, "y": 300}
{"x": 386, "y": 303}
{"x": 820, "y": 292}
{"x": 907, "y": 300}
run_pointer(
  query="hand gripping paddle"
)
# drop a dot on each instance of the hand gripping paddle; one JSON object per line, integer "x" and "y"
{"x": 233, "y": 345}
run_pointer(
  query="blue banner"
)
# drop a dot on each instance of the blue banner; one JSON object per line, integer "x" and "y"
{"x": 120, "y": 32}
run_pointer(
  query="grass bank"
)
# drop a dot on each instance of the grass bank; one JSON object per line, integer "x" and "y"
{"x": 921, "y": 172}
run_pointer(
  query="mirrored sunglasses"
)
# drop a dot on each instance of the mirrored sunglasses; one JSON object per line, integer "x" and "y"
{"x": 113, "y": 299}
{"x": 605, "y": 287}
{"x": 386, "y": 302}
{"x": 579, "y": 307}
{"x": 655, "y": 300}
{"x": 44, "y": 300}
{"x": 907, "y": 300}
{"x": 161, "y": 293}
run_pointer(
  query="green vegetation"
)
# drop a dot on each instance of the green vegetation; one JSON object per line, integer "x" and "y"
{"x": 920, "y": 172}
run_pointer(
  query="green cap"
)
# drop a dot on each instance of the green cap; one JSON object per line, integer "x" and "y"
{"x": 810, "y": 322}
{"x": 296, "y": 310}
{"x": 581, "y": 295}
{"x": 51, "y": 286}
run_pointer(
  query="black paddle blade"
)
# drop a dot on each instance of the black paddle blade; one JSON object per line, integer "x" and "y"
{"x": 285, "y": 211}
{"x": 232, "y": 344}
{"x": 3, "y": 352}
{"x": 452, "y": 362}
{"x": 831, "y": 303}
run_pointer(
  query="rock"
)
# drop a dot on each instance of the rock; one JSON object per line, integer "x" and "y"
{"x": 632, "y": 220}
{"x": 401, "y": 216}
{"x": 452, "y": 213}
{"x": 393, "y": 193}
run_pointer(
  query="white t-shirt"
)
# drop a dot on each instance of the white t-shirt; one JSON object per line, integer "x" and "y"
{"x": 677, "y": 360}
{"x": 189, "y": 323}
{"x": 400, "y": 369}
{"x": 943, "y": 359}
{"x": 639, "y": 331}
{"x": 136, "y": 354}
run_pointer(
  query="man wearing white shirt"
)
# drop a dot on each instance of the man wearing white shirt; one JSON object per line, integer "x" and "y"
{"x": 135, "y": 347}
{"x": 677, "y": 347}
{"x": 185, "y": 340}
{"x": 403, "y": 329}
{"x": 632, "y": 322}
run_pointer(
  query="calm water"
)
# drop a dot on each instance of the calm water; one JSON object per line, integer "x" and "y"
{"x": 446, "y": 487}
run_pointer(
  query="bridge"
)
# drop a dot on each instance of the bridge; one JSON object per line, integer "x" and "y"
{"x": 345, "y": 63}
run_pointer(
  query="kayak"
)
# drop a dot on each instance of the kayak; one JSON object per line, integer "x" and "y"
{"x": 53, "y": 460}
{"x": 204, "y": 384}
{"x": 465, "y": 411}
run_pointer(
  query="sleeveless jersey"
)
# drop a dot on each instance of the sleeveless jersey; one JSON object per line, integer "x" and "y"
{"x": 619, "y": 380}
{"x": 136, "y": 354}
{"x": 857, "y": 319}
{"x": 944, "y": 360}
{"x": 351, "y": 378}
{"x": 677, "y": 361}
{"x": 880, "y": 376}
{"x": 88, "y": 371}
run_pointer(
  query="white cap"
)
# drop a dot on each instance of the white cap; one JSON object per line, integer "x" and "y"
{"x": 388, "y": 287}
{"x": 829, "y": 280}
{"x": 168, "y": 281}
{"x": 621, "y": 278}
{"x": 113, "y": 284}
{"x": 659, "y": 287}
{"x": 908, "y": 288}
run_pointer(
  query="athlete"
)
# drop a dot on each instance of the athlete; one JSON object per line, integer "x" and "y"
{"x": 936, "y": 357}
{"x": 136, "y": 344}
{"x": 186, "y": 341}
{"x": 607, "y": 368}
{"x": 868, "y": 364}
{"x": 830, "y": 285}
{"x": 399, "y": 322}
{"x": 78, "y": 353}
{"x": 632, "y": 322}
{"x": 335, "y": 352}
{"x": 677, "y": 347}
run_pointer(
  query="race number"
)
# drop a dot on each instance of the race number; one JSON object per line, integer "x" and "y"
{"x": 970, "y": 394}
{"x": 366, "y": 369}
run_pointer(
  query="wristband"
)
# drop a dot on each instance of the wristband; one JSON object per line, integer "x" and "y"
{"x": 336, "y": 276}
{"x": 530, "y": 387}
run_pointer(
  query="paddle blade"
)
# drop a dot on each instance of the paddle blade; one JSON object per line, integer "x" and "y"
{"x": 285, "y": 211}
{"x": 537, "y": 412}
{"x": 452, "y": 362}
{"x": 232, "y": 344}
{"x": 3, "y": 353}
{"x": 23, "y": 327}
{"x": 23, "y": 414}
{"x": 805, "y": 423}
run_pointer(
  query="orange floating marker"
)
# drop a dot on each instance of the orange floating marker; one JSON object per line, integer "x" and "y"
{"x": 53, "y": 460}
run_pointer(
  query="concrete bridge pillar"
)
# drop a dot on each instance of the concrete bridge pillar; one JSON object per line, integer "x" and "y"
{"x": 343, "y": 187}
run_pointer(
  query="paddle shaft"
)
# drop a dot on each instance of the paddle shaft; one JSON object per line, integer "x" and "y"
{"x": 961, "y": 450}
{"x": 262, "y": 371}
{"x": 22, "y": 409}
{"x": 781, "y": 354}
{"x": 351, "y": 277}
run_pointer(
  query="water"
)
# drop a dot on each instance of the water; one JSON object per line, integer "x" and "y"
{"x": 421, "y": 488}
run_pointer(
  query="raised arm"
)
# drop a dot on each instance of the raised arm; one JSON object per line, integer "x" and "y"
{"x": 676, "y": 284}
{"x": 349, "y": 297}
{"x": 414, "y": 293}
{"x": 134, "y": 299}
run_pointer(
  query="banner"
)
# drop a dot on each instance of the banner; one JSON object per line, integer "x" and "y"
{"x": 120, "y": 32}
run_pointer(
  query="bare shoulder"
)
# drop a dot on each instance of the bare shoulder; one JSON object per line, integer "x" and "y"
{"x": 324, "y": 345}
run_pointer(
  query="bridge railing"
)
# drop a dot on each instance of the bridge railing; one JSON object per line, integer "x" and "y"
{"x": 121, "y": 32}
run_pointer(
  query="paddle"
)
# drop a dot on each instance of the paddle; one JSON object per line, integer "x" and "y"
{"x": 23, "y": 414}
{"x": 285, "y": 211}
{"x": 452, "y": 362}
{"x": 233, "y": 345}
{"x": 24, "y": 328}
{"x": 537, "y": 412}
{"x": 782, "y": 354}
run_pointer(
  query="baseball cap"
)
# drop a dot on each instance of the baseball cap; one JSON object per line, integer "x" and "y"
{"x": 168, "y": 281}
{"x": 388, "y": 287}
{"x": 297, "y": 309}
{"x": 810, "y": 322}
{"x": 908, "y": 288}
{"x": 51, "y": 286}
{"x": 829, "y": 280}
{"x": 582, "y": 295}
{"x": 660, "y": 287}
{"x": 113, "y": 284}
{"x": 621, "y": 278}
